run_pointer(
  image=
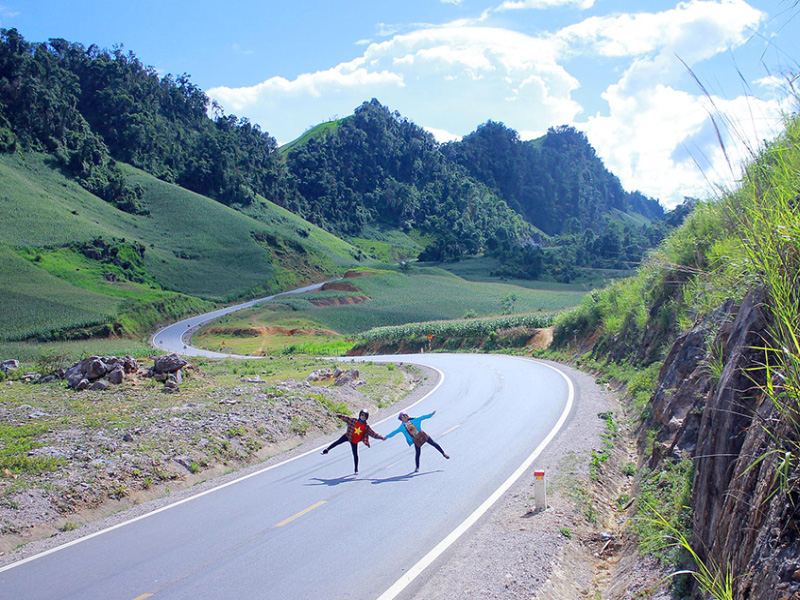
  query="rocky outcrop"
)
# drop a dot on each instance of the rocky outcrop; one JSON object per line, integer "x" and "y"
{"x": 9, "y": 365}
{"x": 82, "y": 374}
{"x": 337, "y": 376}
{"x": 718, "y": 417}
{"x": 168, "y": 363}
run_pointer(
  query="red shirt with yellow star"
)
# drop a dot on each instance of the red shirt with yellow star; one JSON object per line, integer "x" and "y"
{"x": 359, "y": 431}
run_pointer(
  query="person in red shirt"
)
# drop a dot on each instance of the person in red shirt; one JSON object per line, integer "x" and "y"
{"x": 357, "y": 431}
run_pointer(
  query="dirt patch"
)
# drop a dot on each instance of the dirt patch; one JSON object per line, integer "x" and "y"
{"x": 338, "y": 286}
{"x": 339, "y": 300}
{"x": 541, "y": 339}
{"x": 351, "y": 274}
{"x": 267, "y": 331}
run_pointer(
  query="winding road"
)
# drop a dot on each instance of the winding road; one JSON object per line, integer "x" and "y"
{"x": 308, "y": 528}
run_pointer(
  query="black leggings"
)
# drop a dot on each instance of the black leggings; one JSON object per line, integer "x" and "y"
{"x": 418, "y": 449}
{"x": 353, "y": 447}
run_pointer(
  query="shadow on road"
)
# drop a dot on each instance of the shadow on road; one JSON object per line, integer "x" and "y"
{"x": 405, "y": 477}
{"x": 332, "y": 482}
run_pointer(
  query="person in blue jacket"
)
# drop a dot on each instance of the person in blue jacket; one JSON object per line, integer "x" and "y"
{"x": 412, "y": 429}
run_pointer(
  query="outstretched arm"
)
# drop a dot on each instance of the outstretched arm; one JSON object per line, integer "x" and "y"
{"x": 372, "y": 433}
{"x": 395, "y": 432}
{"x": 428, "y": 416}
{"x": 346, "y": 419}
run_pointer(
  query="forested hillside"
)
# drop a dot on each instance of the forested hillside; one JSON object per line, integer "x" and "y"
{"x": 378, "y": 167}
{"x": 559, "y": 185}
{"x": 92, "y": 108}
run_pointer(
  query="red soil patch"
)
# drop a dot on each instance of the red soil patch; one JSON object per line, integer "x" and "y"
{"x": 339, "y": 301}
{"x": 268, "y": 331}
{"x": 339, "y": 286}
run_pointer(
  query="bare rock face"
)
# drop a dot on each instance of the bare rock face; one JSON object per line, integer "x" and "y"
{"x": 93, "y": 368}
{"x": 335, "y": 375}
{"x": 100, "y": 385}
{"x": 722, "y": 421}
{"x": 346, "y": 377}
{"x": 168, "y": 363}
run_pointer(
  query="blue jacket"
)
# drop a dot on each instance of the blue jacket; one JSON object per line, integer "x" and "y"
{"x": 402, "y": 429}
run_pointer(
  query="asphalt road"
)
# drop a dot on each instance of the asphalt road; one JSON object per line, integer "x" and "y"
{"x": 175, "y": 337}
{"x": 308, "y": 528}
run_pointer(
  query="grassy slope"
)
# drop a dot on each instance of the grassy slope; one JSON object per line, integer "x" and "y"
{"x": 316, "y": 131}
{"x": 478, "y": 269}
{"x": 193, "y": 245}
{"x": 389, "y": 245}
{"x": 25, "y": 309}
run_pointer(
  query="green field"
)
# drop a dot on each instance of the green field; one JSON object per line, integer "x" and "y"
{"x": 390, "y": 246}
{"x": 33, "y": 300}
{"x": 427, "y": 294}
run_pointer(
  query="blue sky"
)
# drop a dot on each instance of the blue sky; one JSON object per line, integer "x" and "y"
{"x": 615, "y": 69}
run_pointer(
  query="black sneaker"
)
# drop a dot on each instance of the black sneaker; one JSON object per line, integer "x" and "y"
{"x": 325, "y": 451}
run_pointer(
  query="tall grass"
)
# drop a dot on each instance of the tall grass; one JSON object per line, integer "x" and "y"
{"x": 767, "y": 212}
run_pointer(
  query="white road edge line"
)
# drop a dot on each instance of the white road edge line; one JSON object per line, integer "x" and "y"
{"x": 209, "y": 491}
{"x": 448, "y": 541}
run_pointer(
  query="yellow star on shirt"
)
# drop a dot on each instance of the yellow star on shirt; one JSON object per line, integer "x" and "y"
{"x": 358, "y": 430}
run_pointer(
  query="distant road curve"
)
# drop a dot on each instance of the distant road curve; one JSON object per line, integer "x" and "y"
{"x": 176, "y": 337}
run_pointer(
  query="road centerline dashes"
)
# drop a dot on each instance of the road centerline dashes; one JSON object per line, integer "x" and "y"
{"x": 453, "y": 428}
{"x": 301, "y": 513}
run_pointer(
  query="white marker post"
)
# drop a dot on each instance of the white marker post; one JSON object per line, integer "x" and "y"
{"x": 540, "y": 490}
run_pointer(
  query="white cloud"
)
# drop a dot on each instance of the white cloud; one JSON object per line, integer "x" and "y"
{"x": 450, "y": 78}
{"x": 542, "y": 4}
{"x": 657, "y": 137}
{"x": 694, "y": 30}
{"x": 662, "y": 141}
{"x": 442, "y": 135}
{"x": 451, "y": 1}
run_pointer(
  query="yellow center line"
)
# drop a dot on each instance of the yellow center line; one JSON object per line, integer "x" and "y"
{"x": 453, "y": 428}
{"x": 301, "y": 513}
{"x": 142, "y": 597}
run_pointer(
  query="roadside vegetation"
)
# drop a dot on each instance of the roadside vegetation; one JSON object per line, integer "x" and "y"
{"x": 743, "y": 243}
